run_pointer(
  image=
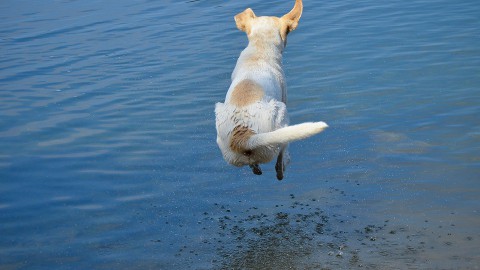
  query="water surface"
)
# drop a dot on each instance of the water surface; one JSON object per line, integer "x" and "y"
{"x": 107, "y": 138}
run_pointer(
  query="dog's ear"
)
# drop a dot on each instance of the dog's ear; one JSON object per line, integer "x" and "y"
{"x": 291, "y": 19}
{"x": 244, "y": 19}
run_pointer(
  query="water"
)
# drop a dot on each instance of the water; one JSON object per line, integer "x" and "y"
{"x": 107, "y": 138}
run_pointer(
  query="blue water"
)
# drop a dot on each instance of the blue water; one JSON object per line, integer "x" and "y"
{"x": 108, "y": 157}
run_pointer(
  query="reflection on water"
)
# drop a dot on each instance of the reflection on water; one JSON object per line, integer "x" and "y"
{"x": 107, "y": 139}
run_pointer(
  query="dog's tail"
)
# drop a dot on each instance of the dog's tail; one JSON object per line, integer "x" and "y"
{"x": 286, "y": 134}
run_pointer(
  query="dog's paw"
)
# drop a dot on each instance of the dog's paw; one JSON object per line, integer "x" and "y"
{"x": 280, "y": 169}
{"x": 256, "y": 169}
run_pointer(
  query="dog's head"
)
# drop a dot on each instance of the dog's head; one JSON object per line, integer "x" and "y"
{"x": 269, "y": 28}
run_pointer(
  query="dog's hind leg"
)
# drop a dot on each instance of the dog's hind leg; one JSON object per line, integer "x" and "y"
{"x": 280, "y": 166}
{"x": 256, "y": 169}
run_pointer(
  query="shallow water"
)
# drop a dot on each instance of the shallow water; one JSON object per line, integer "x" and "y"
{"x": 107, "y": 138}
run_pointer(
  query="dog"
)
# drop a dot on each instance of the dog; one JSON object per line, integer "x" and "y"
{"x": 252, "y": 123}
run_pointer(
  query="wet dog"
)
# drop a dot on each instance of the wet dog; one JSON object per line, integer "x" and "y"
{"x": 252, "y": 123}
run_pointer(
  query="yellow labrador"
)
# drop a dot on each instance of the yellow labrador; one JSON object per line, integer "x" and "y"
{"x": 252, "y": 123}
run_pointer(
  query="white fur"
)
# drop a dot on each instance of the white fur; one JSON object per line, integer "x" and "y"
{"x": 261, "y": 62}
{"x": 286, "y": 134}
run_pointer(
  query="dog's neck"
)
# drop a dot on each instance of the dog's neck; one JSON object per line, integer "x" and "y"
{"x": 266, "y": 50}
